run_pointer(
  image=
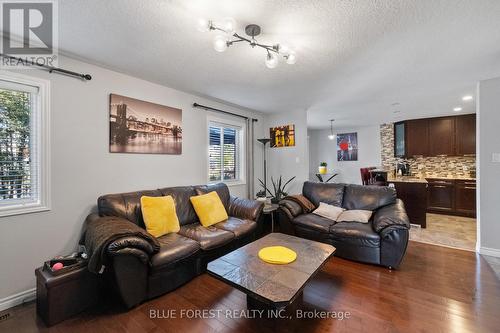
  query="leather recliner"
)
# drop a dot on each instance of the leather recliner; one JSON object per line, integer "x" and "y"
{"x": 382, "y": 241}
{"x": 139, "y": 274}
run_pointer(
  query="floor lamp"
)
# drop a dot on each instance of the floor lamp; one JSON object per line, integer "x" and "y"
{"x": 264, "y": 142}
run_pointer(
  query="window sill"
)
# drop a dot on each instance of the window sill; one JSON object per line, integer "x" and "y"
{"x": 231, "y": 183}
{"x": 22, "y": 209}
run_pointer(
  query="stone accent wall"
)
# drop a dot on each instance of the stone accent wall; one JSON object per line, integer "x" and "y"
{"x": 449, "y": 166}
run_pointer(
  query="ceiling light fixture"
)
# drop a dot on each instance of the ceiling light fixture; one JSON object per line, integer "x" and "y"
{"x": 457, "y": 109}
{"x": 331, "y": 136}
{"x": 467, "y": 98}
{"x": 227, "y": 30}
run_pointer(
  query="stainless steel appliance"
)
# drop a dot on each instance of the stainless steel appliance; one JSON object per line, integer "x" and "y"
{"x": 403, "y": 168}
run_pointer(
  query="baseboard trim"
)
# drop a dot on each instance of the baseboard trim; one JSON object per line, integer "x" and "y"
{"x": 490, "y": 251}
{"x": 17, "y": 299}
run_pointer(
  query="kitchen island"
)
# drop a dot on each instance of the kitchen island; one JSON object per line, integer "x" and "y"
{"x": 413, "y": 192}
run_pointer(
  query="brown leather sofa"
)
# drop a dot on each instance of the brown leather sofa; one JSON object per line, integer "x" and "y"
{"x": 139, "y": 274}
{"x": 382, "y": 241}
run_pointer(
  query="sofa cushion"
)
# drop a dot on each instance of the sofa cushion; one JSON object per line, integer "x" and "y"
{"x": 221, "y": 189}
{"x": 183, "y": 207}
{"x": 159, "y": 215}
{"x": 355, "y": 233}
{"x": 355, "y": 215}
{"x": 173, "y": 247}
{"x": 240, "y": 228}
{"x": 368, "y": 197}
{"x": 209, "y": 208}
{"x": 209, "y": 237}
{"x": 125, "y": 205}
{"x": 331, "y": 194}
{"x": 313, "y": 221}
{"x": 329, "y": 211}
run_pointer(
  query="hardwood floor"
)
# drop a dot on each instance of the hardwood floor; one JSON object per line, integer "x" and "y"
{"x": 436, "y": 289}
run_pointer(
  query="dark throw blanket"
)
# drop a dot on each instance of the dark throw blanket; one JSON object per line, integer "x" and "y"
{"x": 101, "y": 231}
{"x": 307, "y": 206}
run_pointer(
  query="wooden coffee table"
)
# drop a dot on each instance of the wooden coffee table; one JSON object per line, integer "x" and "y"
{"x": 268, "y": 286}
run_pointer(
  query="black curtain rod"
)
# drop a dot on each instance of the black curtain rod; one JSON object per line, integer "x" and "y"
{"x": 196, "y": 105}
{"x": 51, "y": 69}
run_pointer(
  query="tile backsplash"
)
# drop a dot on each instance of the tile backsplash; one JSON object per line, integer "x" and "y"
{"x": 443, "y": 166}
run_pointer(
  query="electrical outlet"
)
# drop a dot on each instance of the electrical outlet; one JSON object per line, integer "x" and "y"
{"x": 495, "y": 157}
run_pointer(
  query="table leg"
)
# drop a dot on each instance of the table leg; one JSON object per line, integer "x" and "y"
{"x": 272, "y": 222}
{"x": 271, "y": 312}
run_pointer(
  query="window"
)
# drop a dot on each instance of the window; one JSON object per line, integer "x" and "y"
{"x": 23, "y": 145}
{"x": 225, "y": 153}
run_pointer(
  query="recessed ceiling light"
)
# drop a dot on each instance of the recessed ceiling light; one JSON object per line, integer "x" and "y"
{"x": 457, "y": 109}
{"x": 467, "y": 98}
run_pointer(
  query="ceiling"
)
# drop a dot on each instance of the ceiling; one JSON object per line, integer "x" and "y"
{"x": 355, "y": 58}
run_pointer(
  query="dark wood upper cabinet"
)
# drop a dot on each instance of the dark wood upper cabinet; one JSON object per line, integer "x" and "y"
{"x": 417, "y": 137}
{"x": 465, "y": 135}
{"x": 442, "y": 136}
{"x": 400, "y": 139}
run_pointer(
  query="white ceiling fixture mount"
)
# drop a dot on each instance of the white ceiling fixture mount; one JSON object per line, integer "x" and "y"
{"x": 331, "y": 136}
{"x": 227, "y": 36}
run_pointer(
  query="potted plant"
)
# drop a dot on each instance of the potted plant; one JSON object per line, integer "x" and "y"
{"x": 261, "y": 195}
{"x": 278, "y": 189}
{"x": 322, "y": 168}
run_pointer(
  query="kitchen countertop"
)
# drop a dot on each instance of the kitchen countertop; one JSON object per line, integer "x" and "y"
{"x": 406, "y": 179}
{"x": 452, "y": 178}
{"x": 413, "y": 179}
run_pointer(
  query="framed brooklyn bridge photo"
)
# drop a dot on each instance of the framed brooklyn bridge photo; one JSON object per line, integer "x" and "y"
{"x": 142, "y": 127}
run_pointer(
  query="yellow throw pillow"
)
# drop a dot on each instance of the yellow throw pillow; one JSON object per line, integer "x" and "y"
{"x": 209, "y": 208}
{"x": 159, "y": 215}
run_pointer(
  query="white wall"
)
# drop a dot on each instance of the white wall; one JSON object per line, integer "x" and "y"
{"x": 488, "y": 176}
{"x": 289, "y": 161}
{"x": 321, "y": 149}
{"x": 82, "y": 168}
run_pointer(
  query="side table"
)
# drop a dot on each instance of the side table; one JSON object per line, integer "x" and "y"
{"x": 270, "y": 209}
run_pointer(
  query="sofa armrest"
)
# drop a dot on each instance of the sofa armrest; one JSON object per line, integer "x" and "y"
{"x": 131, "y": 245}
{"x": 391, "y": 217}
{"x": 106, "y": 236}
{"x": 245, "y": 208}
{"x": 291, "y": 208}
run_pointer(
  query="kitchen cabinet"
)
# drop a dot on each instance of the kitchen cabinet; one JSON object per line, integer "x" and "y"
{"x": 417, "y": 137}
{"x": 441, "y": 196}
{"x": 465, "y": 135}
{"x": 452, "y": 196}
{"x": 442, "y": 136}
{"x": 414, "y": 196}
{"x": 450, "y": 136}
{"x": 400, "y": 139}
{"x": 465, "y": 198}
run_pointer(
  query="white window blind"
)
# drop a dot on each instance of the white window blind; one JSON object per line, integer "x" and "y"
{"x": 224, "y": 152}
{"x": 19, "y": 155}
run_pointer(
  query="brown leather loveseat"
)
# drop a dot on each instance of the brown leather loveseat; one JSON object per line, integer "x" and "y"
{"x": 381, "y": 241}
{"x": 139, "y": 272}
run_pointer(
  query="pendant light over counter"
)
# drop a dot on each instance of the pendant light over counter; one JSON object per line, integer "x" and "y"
{"x": 331, "y": 136}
